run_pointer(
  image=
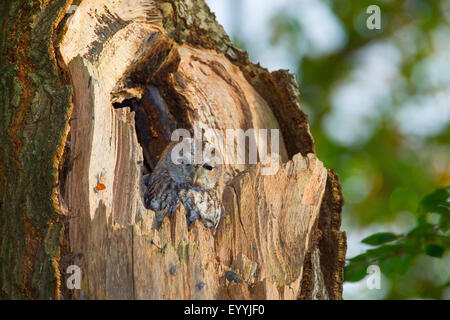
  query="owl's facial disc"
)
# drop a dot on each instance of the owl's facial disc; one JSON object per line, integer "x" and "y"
{"x": 182, "y": 171}
{"x": 188, "y": 171}
{"x": 206, "y": 176}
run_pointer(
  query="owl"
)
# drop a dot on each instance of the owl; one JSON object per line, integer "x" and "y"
{"x": 176, "y": 179}
{"x": 202, "y": 200}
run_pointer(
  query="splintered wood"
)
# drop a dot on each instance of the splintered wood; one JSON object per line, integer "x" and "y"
{"x": 117, "y": 50}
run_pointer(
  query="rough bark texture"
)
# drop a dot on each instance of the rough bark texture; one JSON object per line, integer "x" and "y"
{"x": 35, "y": 108}
{"x": 71, "y": 177}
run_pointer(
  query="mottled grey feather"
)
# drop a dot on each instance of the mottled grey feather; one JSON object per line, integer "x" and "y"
{"x": 193, "y": 185}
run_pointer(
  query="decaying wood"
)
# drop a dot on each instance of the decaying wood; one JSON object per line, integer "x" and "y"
{"x": 139, "y": 70}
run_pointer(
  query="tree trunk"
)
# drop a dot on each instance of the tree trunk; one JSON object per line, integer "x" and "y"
{"x": 90, "y": 92}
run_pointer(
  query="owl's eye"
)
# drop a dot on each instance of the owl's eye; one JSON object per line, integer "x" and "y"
{"x": 207, "y": 167}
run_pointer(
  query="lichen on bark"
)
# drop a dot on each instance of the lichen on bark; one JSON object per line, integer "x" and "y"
{"x": 33, "y": 120}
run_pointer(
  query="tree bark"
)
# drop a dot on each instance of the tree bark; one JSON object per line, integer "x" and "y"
{"x": 89, "y": 99}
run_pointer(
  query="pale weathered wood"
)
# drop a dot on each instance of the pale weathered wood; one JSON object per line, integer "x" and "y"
{"x": 261, "y": 239}
{"x": 171, "y": 62}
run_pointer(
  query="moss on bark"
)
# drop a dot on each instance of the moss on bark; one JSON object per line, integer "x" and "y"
{"x": 33, "y": 119}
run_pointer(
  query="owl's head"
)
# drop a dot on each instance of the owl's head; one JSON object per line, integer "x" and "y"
{"x": 182, "y": 173}
{"x": 207, "y": 175}
{"x": 180, "y": 164}
{"x": 177, "y": 160}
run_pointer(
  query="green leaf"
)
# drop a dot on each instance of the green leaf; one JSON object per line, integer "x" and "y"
{"x": 384, "y": 251}
{"x": 444, "y": 223}
{"x": 355, "y": 272}
{"x": 405, "y": 263}
{"x": 437, "y": 201}
{"x": 359, "y": 258}
{"x": 443, "y": 241}
{"x": 434, "y": 250}
{"x": 379, "y": 238}
{"x": 389, "y": 266}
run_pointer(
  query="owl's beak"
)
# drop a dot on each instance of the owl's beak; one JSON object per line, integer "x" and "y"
{"x": 197, "y": 175}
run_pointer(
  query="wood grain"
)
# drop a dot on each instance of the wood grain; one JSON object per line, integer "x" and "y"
{"x": 121, "y": 51}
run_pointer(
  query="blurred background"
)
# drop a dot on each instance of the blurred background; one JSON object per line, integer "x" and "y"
{"x": 378, "y": 102}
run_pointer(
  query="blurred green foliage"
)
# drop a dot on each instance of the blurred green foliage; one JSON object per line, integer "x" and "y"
{"x": 386, "y": 172}
{"x": 396, "y": 253}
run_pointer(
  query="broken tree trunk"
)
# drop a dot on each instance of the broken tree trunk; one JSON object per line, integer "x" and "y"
{"x": 91, "y": 94}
